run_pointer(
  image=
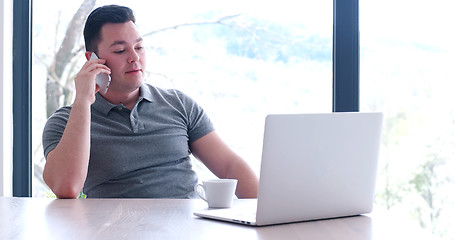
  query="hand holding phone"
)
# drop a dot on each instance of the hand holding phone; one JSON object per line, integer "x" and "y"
{"x": 102, "y": 80}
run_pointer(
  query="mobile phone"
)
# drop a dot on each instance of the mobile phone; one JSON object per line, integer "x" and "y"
{"x": 102, "y": 80}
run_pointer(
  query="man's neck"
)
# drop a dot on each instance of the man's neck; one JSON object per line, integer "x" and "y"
{"x": 127, "y": 99}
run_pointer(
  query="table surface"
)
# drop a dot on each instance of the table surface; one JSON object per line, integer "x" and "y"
{"x": 41, "y": 218}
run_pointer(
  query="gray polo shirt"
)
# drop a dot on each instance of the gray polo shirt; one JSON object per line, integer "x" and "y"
{"x": 139, "y": 153}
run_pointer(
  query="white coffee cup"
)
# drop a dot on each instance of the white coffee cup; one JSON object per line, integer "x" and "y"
{"x": 218, "y": 193}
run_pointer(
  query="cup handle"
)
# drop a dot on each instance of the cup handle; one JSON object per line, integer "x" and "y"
{"x": 196, "y": 190}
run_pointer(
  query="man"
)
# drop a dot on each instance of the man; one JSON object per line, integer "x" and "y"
{"x": 134, "y": 140}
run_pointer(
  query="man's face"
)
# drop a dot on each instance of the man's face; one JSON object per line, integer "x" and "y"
{"x": 121, "y": 46}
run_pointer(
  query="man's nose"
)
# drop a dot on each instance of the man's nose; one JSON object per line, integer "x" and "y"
{"x": 133, "y": 57}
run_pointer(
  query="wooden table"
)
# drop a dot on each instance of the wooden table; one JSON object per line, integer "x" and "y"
{"x": 41, "y": 218}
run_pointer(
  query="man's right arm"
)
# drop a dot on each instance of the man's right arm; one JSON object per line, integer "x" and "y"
{"x": 67, "y": 164}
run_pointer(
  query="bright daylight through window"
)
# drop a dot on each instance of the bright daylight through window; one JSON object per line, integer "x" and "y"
{"x": 406, "y": 63}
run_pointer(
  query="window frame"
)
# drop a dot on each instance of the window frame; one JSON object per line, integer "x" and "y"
{"x": 345, "y": 65}
{"x": 22, "y": 95}
{"x": 345, "y": 61}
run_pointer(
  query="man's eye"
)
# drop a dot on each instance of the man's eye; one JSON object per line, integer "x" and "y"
{"x": 119, "y": 51}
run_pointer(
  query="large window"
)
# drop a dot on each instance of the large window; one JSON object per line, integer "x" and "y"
{"x": 407, "y": 58}
{"x": 239, "y": 59}
{"x": 243, "y": 59}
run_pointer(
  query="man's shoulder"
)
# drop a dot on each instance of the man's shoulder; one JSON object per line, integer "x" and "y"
{"x": 154, "y": 91}
{"x": 153, "y": 88}
{"x": 59, "y": 117}
{"x": 62, "y": 112}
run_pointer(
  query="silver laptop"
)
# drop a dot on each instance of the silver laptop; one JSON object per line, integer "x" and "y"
{"x": 314, "y": 166}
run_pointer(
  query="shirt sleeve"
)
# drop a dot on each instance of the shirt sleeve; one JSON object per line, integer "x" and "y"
{"x": 198, "y": 122}
{"x": 53, "y": 130}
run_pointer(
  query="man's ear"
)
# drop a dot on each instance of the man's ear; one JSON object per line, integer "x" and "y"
{"x": 87, "y": 55}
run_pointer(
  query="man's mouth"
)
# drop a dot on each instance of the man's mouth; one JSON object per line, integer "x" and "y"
{"x": 134, "y": 71}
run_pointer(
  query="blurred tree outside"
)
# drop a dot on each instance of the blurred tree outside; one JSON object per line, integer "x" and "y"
{"x": 63, "y": 67}
{"x": 429, "y": 184}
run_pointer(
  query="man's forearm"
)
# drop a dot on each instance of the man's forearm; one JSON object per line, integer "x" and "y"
{"x": 66, "y": 166}
{"x": 247, "y": 186}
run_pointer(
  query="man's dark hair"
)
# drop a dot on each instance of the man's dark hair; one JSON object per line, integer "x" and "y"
{"x": 99, "y": 17}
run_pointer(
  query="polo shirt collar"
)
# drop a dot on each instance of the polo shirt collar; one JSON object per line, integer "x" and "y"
{"x": 145, "y": 93}
{"x": 104, "y": 106}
